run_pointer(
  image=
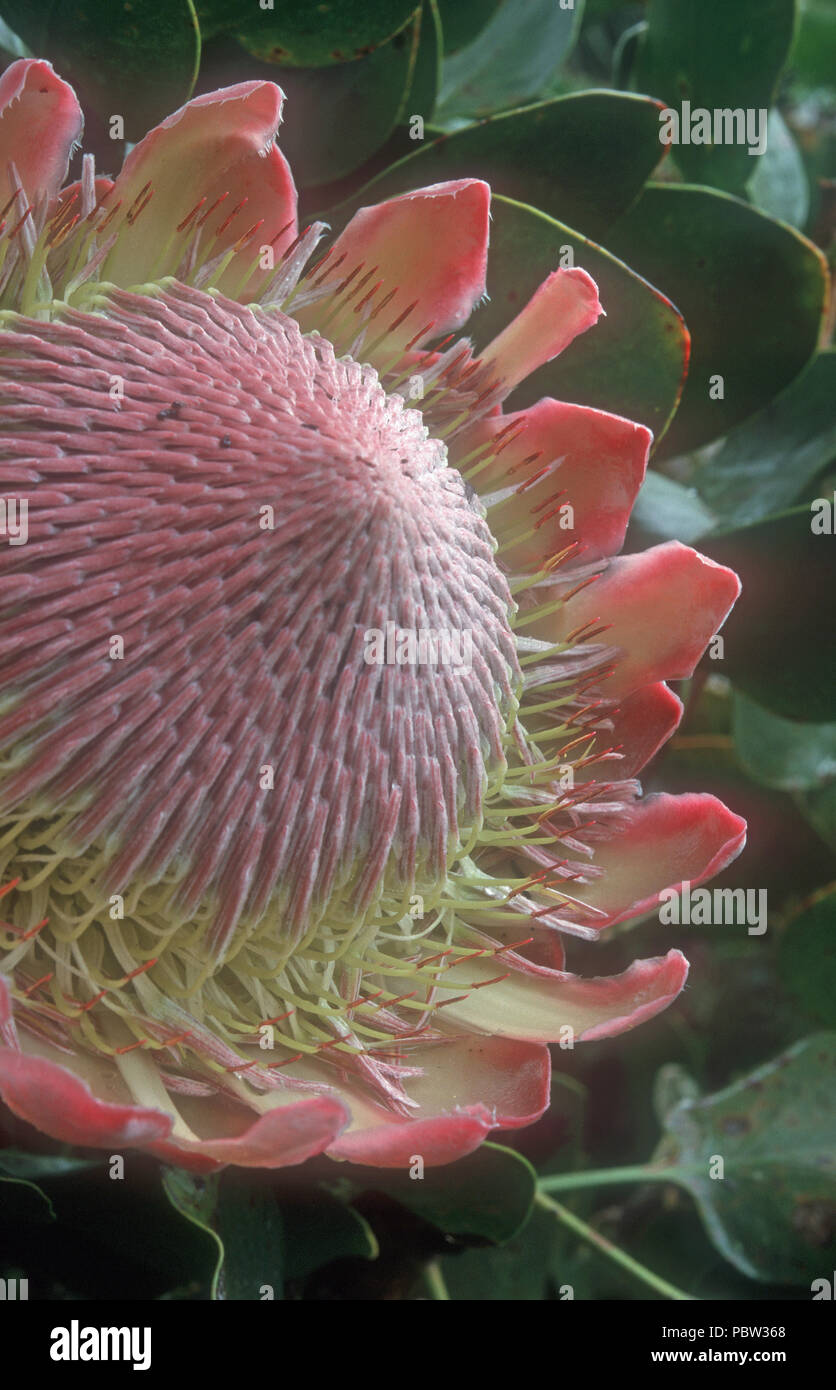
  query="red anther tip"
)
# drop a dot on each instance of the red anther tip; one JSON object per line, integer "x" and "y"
{"x": 140, "y": 970}
{"x": 9, "y": 203}
{"x": 514, "y": 945}
{"x": 429, "y": 960}
{"x": 387, "y": 298}
{"x": 247, "y": 236}
{"x": 497, "y": 980}
{"x": 234, "y": 213}
{"x": 133, "y": 212}
{"x": 33, "y": 931}
{"x": 15, "y": 231}
{"x": 276, "y": 1066}
{"x": 405, "y": 315}
{"x": 366, "y": 297}
{"x": 84, "y": 1008}
{"x": 211, "y": 208}
{"x": 422, "y": 332}
{"x": 330, "y": 271}
{"x": 187, "y": 219}
{"x": 42, "y": 981}
{"x": 280, "y": 233}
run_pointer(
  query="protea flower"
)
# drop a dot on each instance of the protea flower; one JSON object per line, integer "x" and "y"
{"x": 267, "y": 897}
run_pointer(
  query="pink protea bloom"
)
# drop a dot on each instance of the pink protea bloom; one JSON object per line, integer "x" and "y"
{"x": 265, "y": 896}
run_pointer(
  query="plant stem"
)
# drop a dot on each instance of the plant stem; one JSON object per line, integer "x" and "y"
{"x": 614, "y": 1252}
{"x": 598, "y": 1177}
{"x": 434, "y": 1280}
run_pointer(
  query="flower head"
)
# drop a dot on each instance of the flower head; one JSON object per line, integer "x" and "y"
{"x": 284, "y": 871}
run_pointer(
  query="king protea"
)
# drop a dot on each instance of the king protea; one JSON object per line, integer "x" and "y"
{"x": 266, "y": 896}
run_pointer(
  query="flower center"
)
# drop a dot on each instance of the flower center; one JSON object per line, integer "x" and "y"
{"x": 259, "y": 671}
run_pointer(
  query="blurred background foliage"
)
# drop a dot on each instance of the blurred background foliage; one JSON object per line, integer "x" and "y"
{"x": 557, "y": 105}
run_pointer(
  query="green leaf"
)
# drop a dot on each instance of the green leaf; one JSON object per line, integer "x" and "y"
{"x": 671, "y": 1086}
{"x": 583, "y": 157}
{"x": 518, "y": 1271}
{"x": 771, "y": 1214}
{"x": 249, "y": 1222}
{"x": 512, "y": 60}
{"x": 318, "y": 1228}
{"x": 769, "y": 461}
{"x": 25, "y": 1165}
{"x": 266, "y": 1233}
{"x": 778, "y": 639}
{"x": 630, "y": 363}
{"x": 303, "y": 34}
{"x": 462, "y": 20}
{"x": 819, "y": 808}
{"x": 488, "y": 1194}
{"x": 779, "y": 184}
{"x": 110, "y": 1238}
{"x": 715, "y": 55}
{"x": 752, "y": 292}
{"x": 140, "y": 64}
{"x": 807, "y": 959}
{"x": 668, "y": 509}
{"x": 780, "y": 752}
{"x": 813, "y": 54}
{"x": 337, "y": 117}
{"x": 244, "y": 1221}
